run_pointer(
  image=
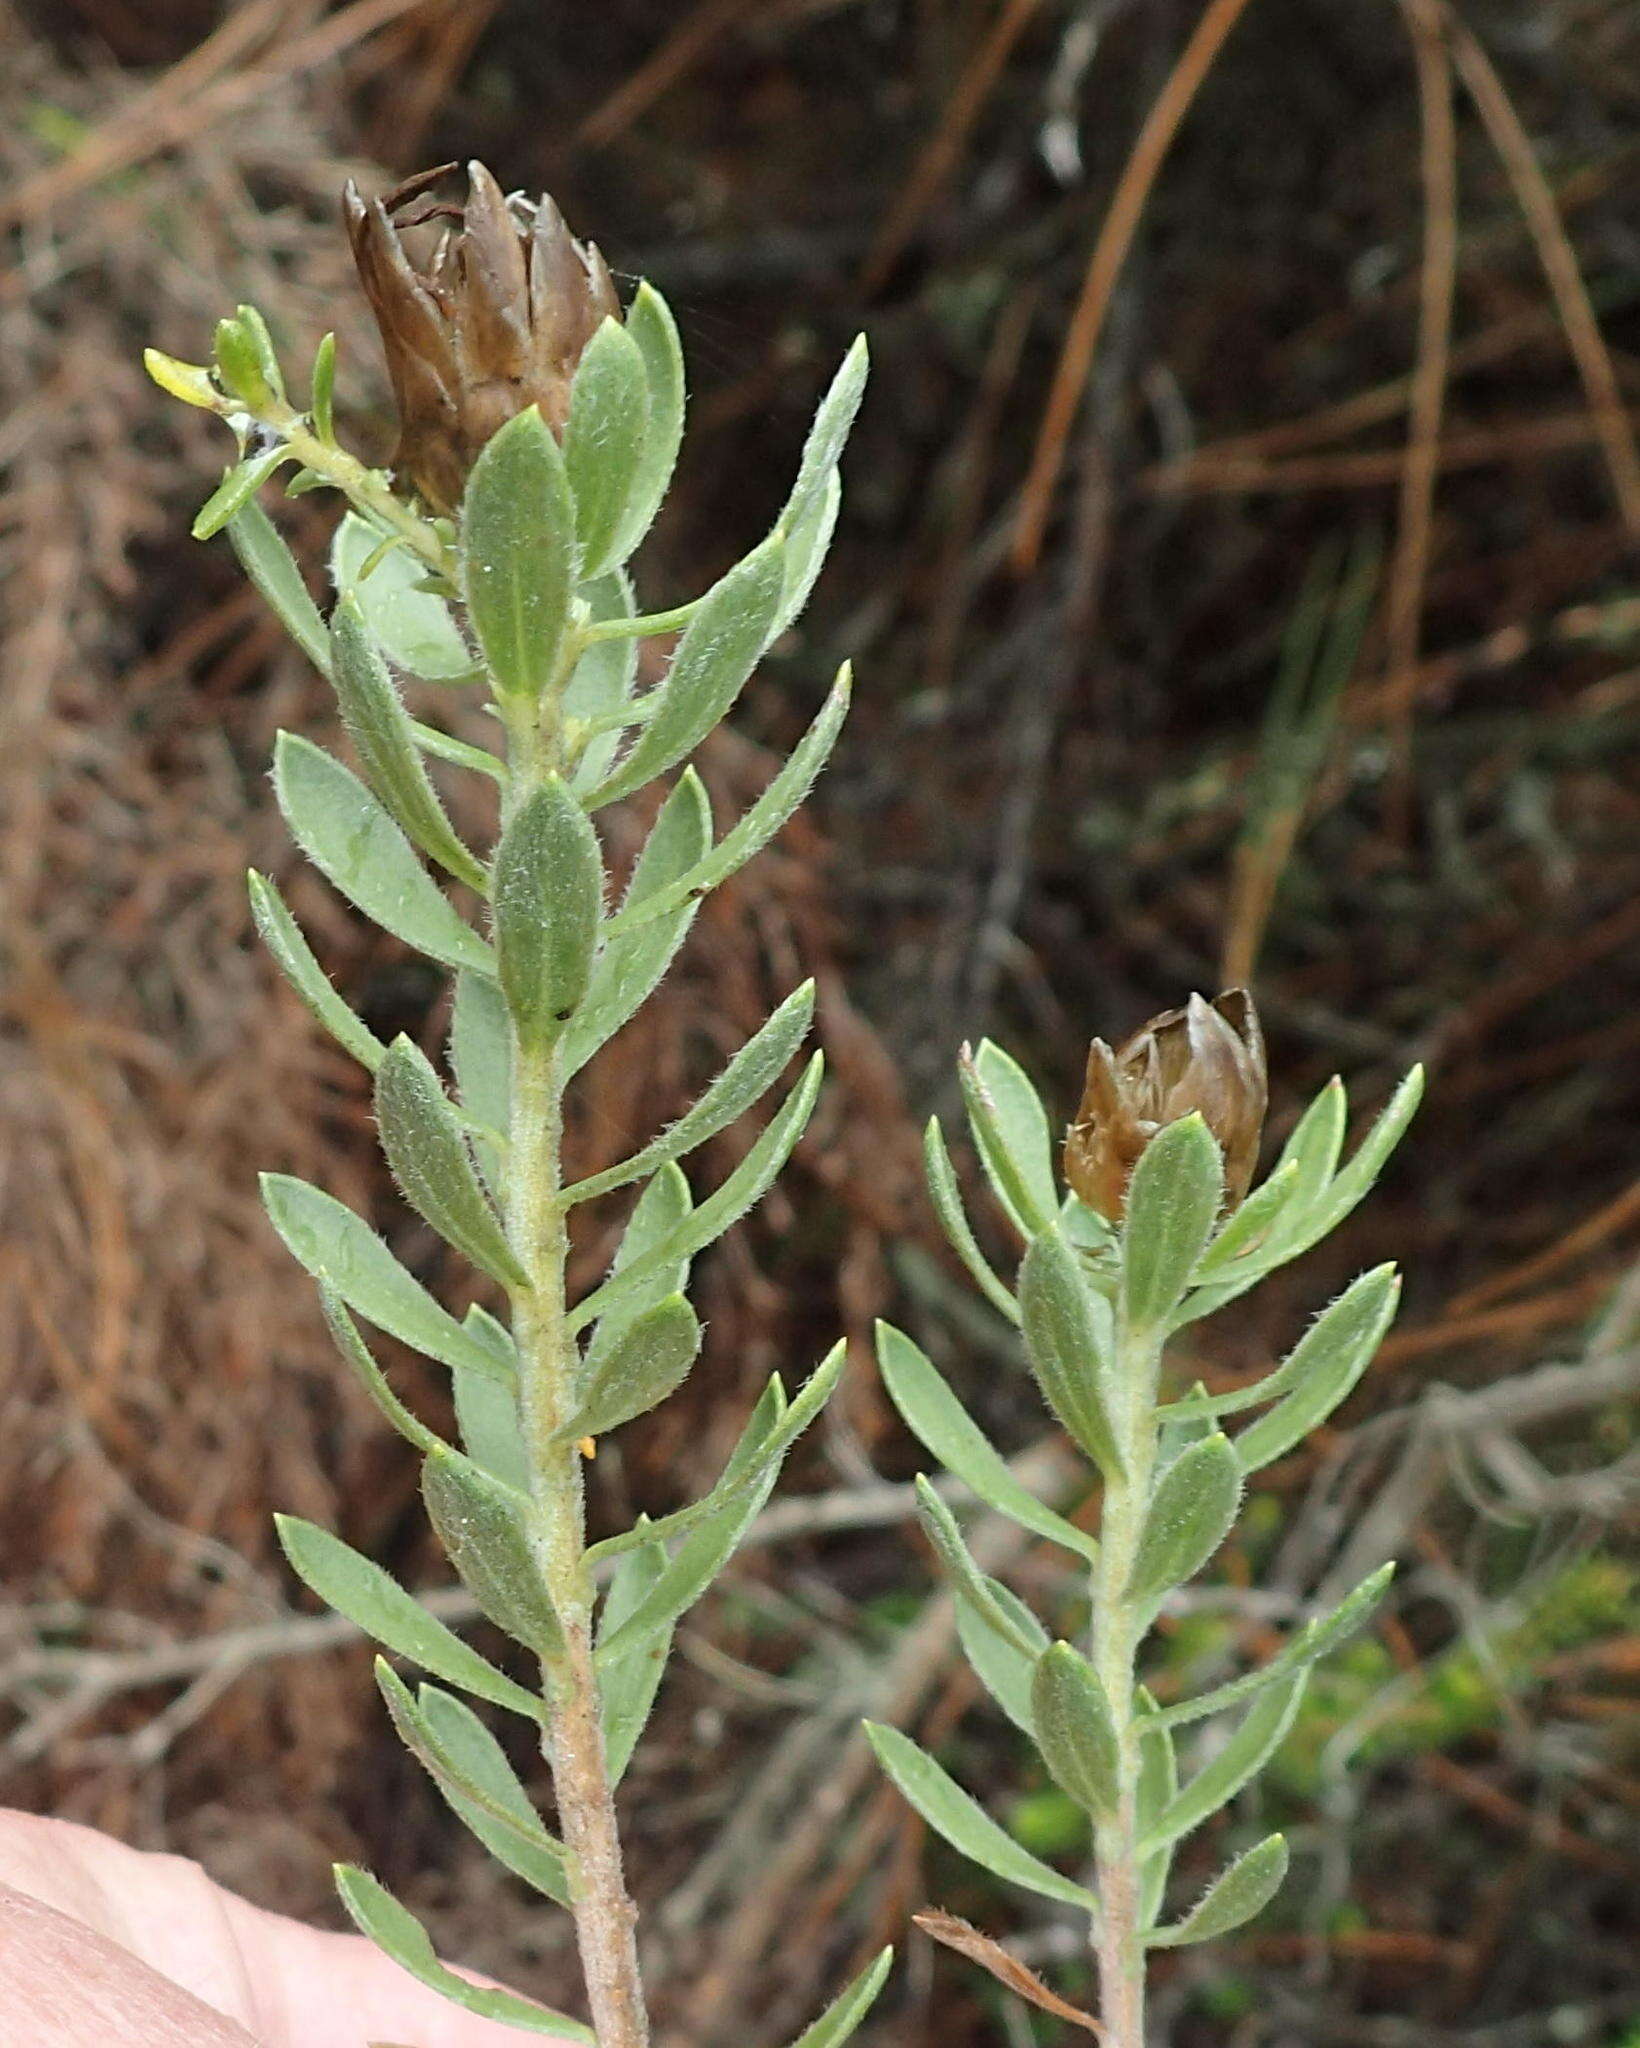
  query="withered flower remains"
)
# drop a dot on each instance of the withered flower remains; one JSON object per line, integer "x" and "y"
{"x": 494, "y": 323}
{"x": 1207, "y": 1057}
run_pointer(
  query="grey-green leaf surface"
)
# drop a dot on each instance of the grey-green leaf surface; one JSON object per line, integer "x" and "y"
{"x": 430, "y": 1161}
{"x": 344, "y": 1253}
{"x": 519, "y": 554}
{"x": 1002, "y": 1666}
{"x": 293, "y": 956}
{"x": 651, "y": 1360}
{"x": 357, "y": 1357}
{"x": 1158, "y": 1786}
{"x": 238, "y": 486}
{"x": 1234, "y": 1897}
{"x": 629, "y": 1681}
{"x": 1172, "y": 1201}
{"x": 491, "y": 1430}
{"x": 481, "y": 1060}
{"x": 1074, "y": 1730}
{"x": 940, "y": 1526}
{"x": 1065, "y": 1345}
{"x": 807, "y": 544}
{"x": 375, "y": 1602}
{"x": 1189, "y": 1516}
{"x": 354, "y": 844}
{"x": 272, "y": 568}
{"x": 1015, "y": 1142}
{"x": 634, "y": 957}
{"x": 718, "y": 651}
{"x": 950, "y": 1812}
{"x": 749, "y": 1075}
{"x": 1006, "y": 1161}
{"x": 1250, "y": 1226}
{"x": 946, "y": 1196}
{"x": 650, "y": 324}
{"x": 484, "y": 1527}
{"x": 659, "y": 1210}
{"x": 1324, "y": 1367}
{"x": 1256, "y": 1738}
{"x": 602, "y": 679}
{"x": 376, "y": 1913}
{"x": 382, "y": 736}
{"x": 549, "y": 898}
{"x": 745, "y": 1187}
{"x": 412, "y": 626}
{"x": 603, "y": 441}
{"x": 833, "y": 418}
{"x": 844, "y": 2014}
{"x": 938, "y": 1420}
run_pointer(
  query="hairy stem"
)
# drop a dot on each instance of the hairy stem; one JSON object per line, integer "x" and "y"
{"x": 1117, "y": 1627}
{"x": 605, "y": 1917}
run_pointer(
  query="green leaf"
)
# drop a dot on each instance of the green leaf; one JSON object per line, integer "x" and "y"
{"x": 658, "y": 1212}
{"x": 282, "y": 936}
{"x": 356, "y": 1355}
{"x": 717, "y": 653}
{"x": 489, "y": 1799}
{"x": 549, "y": 899}
{"x": 1074, "y": 1730}
{"x": 950, "y": 1812}
{"x": 1189, "y": 1516}
{"x": 484, "y": 1527}
{"x": 1370, "y": 1156}
{"x": 376, "y": 1913}
{"x": 807, "y": 544}
{"x": 345, "y": 1254}
{"x": 650, "y": 324}
{"x": 635, "y": 957}
{"x": 492, "y": 1431}
{"x": 748, "y": 1076}
{"x": 238, "y": 486}
{"x": 603, "y": 441}
{"x": 1241, "y": 1892}
{"x": 384, "y": 739}
{"x": 379, "y": 1605}
{"x": 629, "y": 1681}
{"x": 602, "y": 679}
{"x": 519, "y": 555}
{"x": 1158, "y": 1786}
{"x": 1173, "y": 1199}
{"x": 271, "y": 566}
{"x": 1312, "y": 1150}
{"x": 746, "y": 1186}
{"x": 844, "y": 2014}
{"x": 245, "y": 363}
{"x": 431, "y": 1163}
{"x": 1011, "y": 1134}
{"x": 1068, "y": 1354}
{"x": 481, "y": 1059}
{"x": 1002, "y": 1666}
{"x": 322, "y": 404}
{"x": 651, "y": 1360}
{"x": 832, "y": 420}
{"x": 1252, "y": 1225}
{"x": 411, "y": 625}
{"x": 948, "y": 1206}
{"x": 967, "y": 1579}
{"x": 937, "y": 1419}
{"x": 352, "y": 841}
{"x": 1324, "y": 1366}
{"x": 1257, "y": 1736}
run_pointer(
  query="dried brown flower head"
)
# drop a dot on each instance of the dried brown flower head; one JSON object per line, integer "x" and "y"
{"x": 1207, "y": 1057}
{"x": 494, "y": 323}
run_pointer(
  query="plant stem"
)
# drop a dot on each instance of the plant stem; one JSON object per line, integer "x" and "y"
{"x": 1117, "y": 1627}
{"x": 605, "y": 1917}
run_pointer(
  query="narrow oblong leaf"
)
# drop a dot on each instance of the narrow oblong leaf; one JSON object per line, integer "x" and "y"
{"x": 717, "y": 653}
{"x": 354, "y": 844}
{"x": 345, "y": 1254}
{"x": 603, "y": 441}
{"x": 409, "y": 623}
{"x": 1190, "y": 1514}
{"x": 1371, "y": 1154}
{"x": 484, "y": 1527}
{"x": 238, "y": 486}
{"x": 629, "y": 1681}
{"x": 384, "y": 739}
{"x": 396, "y": 1931}
{"x": 1235, "y": 1897}
{"x": 658, "y": 1211}
{"x": 1074, "y": 1730}
{"x": 950, "y": 1812}
{"x": 519, "y": 554}
{"x": 481, "y": 1060}
{"x": 376, "y": 1603}
{"x": 650, "y": 324}
{"x": 941, "y": 1527}
{"x": 430, "y": 1161}
{"x": 293, "y": 956}
{"x": 1158, "y": 1786}
{"x": 830, "y": 430}
{"x": 1324, "y": 1366}
{"x": 356, "y": 1355}
{"x": 322, "y": 403}
{"x": 1011, "y": 1134}
{"x": 487, "y": 1414}
{"x": 636, "y": 954}
{"x": 946, "y": 1196}
{"x": 745, "y": 1187}
{"x": 1252, "y": 1225}
{"x": 846, "y": 2011}
{"x": 1001, "y": 1665}
{"x": 651, "y": 1361}
{"x": 1255, "y": 1740}
{"x": 935, "y": 1416}
{"x": 1172, "y": 1201}
{"x": 808, "y": 540}
{"x": 271, "y": 566}
{"x": 1065, "y": 1345}
{"x": 748, "y": 1076}
{"x": 549, "y": 899}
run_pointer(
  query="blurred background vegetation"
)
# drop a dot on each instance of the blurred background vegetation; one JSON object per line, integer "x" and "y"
{"x": 1289, "y": 631}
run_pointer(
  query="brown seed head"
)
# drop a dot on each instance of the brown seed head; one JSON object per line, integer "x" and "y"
{"x": 494, "y": 322}
{"x": 1207, "y": 1057}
